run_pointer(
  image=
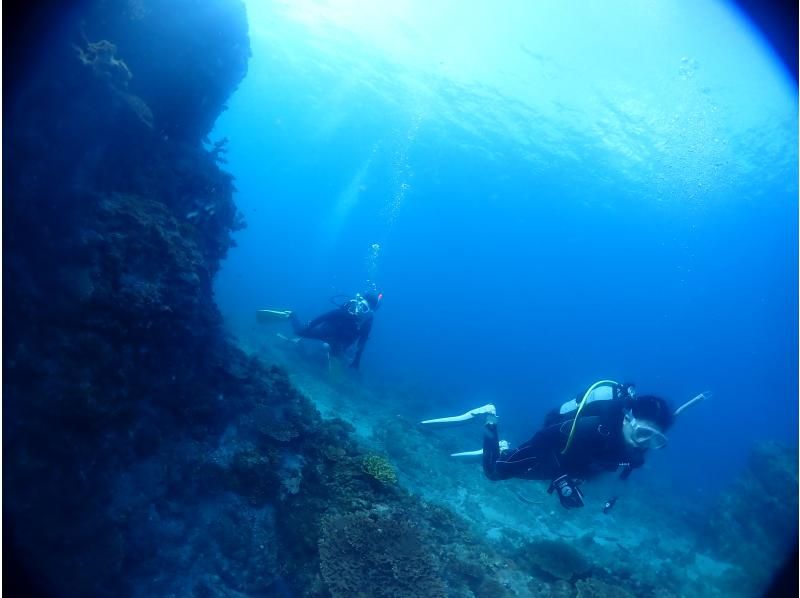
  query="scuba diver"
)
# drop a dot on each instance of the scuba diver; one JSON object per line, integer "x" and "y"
{"x": 603, "y": 429}
{"x": 339, "y": 329}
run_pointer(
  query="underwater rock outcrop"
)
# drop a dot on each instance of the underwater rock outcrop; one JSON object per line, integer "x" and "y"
{"x": 144, "y": 453}
{"x": 749, "y": 526}
{"x": 185, "y": 57}
{"x": 119, "y": 382}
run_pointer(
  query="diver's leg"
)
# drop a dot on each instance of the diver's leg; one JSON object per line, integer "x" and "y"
{"x": 526, "y": 462}
{"x": 306, "y": 330}
{"x": 491, "y": 451}
{"x": 297, "y": 326}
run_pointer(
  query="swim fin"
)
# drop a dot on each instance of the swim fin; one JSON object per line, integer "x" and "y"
{"x": 489, "y": 410}
{"x": 502, "y": 445}
{"x": 269, "y": 315}
{"x": 468, "y": 454}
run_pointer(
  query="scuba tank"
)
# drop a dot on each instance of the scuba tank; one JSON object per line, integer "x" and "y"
{"x": 625, "y": 391}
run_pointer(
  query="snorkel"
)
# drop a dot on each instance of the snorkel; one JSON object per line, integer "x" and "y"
{"x": 693, "y": 401}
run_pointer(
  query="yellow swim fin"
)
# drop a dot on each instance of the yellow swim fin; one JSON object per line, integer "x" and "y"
{"x": 270, "y": 315}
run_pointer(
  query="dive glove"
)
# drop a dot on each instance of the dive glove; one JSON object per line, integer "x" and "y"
{"x": 569, "y": 494}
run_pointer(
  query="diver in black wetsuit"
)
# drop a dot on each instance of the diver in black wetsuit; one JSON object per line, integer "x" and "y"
{"x": 603, "y": 429}
{"x": 613, "y": 430}
{"x": 340, "y": 328}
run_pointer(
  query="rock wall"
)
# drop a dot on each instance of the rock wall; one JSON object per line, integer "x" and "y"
{"x": 145, "y": 454}
{"x": 116, "y": 219}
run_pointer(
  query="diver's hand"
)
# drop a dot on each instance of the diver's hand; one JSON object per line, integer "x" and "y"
{"x": 569, "y": 494}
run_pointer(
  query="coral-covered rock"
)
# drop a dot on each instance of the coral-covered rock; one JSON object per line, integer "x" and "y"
{"x": 253, "y": 476}
{"x": 246, "y": 545}
{"x": 115, "y": 354}
{"x": 147, "y": 454}
{"x": 377, "y": 553}
{"x": 101, "y": 58}
{"x": 185, "y": 56}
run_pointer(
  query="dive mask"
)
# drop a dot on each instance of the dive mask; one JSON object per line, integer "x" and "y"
{"x": 645, "y": 436}
{"x": 358, "y": 306}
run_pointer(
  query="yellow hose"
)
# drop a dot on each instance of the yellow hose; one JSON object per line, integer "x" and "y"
{"x": 580, "y": 408}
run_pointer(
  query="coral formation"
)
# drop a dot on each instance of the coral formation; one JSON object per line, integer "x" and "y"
{"x": 186, "y": 57}
{"x": 101, "y": 57}
{"x": 376, "y": 553}
{"x": 379, "y": 468}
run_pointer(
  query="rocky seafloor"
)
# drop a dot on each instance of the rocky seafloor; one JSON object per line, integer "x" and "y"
{"x": 147, "y": 453}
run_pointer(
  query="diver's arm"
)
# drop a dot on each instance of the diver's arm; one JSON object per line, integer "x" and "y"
{"x": 635, "y": 461}
{"x": 362, "y": 341}
{"x": 627, "y": 470}
{"x": 565, "y": 486}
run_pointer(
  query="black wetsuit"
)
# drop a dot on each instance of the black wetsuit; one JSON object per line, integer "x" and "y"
{"x": 597, "y": 446}
{"x": 340, "y": 328}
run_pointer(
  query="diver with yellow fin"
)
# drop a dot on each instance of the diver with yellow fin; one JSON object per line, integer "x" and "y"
{"x": 603, "y": 429}
{"x": 338, "y": 329}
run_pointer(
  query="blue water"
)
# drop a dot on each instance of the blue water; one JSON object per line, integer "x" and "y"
{"x": 547, "y": 195}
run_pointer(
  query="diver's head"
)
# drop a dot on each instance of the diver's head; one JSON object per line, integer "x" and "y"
{"x": 646, "y": 422}
{"x": 373, "y": 298}
{"x": 361, "y": 305}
